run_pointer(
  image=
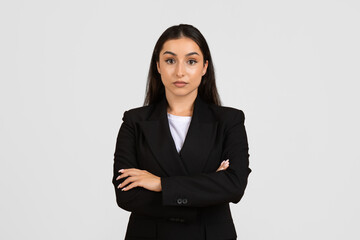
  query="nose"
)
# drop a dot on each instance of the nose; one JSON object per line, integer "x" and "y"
{"x": 180, "y": 70}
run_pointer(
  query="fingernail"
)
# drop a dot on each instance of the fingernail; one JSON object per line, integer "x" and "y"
{"x": 123, "y": 189}
{"x": 121, "y": 170}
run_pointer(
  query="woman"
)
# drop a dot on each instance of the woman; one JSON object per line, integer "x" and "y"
{"x": 168, "y": 163}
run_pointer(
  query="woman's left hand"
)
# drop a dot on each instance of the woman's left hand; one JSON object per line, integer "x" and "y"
{"x": 139, "y": 178}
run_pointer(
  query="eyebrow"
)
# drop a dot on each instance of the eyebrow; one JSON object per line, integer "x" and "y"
{"x": 191, "y": 53}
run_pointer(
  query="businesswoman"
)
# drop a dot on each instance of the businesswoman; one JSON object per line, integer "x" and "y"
{"x": 169, "y": 168}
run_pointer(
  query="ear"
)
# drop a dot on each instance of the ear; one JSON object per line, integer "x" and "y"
{"x": 158, "y": 67}
{"x": 205, "y": 67}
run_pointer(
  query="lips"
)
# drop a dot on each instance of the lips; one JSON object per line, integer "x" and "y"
{"x": 180, "y": 83}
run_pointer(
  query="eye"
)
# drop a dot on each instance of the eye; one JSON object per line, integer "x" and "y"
{"x": 169, "y": 61}
{"x": 192, "y": 62}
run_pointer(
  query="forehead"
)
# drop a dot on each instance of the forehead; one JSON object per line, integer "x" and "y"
{"x": 181, "y": 46}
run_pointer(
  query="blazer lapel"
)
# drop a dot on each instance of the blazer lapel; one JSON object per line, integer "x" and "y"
{"x": 198, "y": 142}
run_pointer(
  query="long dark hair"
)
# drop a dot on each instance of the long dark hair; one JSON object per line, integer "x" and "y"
{"x": 155, "y": 89}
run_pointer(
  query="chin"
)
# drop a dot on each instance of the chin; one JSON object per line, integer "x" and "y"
{"x": 182, "y": 92}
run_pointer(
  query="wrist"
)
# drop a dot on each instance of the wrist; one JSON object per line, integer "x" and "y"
{"x": 160, "y": 188}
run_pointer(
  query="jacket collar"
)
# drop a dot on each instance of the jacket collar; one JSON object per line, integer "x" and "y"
{"x": 197, "y": 145}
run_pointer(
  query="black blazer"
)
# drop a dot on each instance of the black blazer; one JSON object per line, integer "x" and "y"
{"x": 194, "y": 202}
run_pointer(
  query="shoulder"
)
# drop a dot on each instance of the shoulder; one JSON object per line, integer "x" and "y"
{"x": 230, "y": 119}
{"x": 137, "y": 113}
{"x": 227, "y": 114}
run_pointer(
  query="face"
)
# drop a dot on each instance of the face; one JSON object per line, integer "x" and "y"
{"x": 181, "y": 67}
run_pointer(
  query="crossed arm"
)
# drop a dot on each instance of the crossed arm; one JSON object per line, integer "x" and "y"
{"x": 144, "y": 193}
{"x": 145, "y": 179}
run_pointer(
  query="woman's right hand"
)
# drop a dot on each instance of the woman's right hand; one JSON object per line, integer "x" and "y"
{"x": 224, "y": 165}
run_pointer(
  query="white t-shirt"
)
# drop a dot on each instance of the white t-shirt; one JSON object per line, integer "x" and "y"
{"x": 179, "y": 126}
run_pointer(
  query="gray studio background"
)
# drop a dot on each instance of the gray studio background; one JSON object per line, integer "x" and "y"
{"x": 69, "y": 69}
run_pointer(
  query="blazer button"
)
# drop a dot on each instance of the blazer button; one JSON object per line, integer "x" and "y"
{"x": 185, "y": 201}
{"x": 179, "y": 201}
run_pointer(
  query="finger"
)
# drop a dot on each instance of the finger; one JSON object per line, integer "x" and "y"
{"x": 123, "y": 184}
{"x": 127, "y": 181}
{"x": 128, "y": 172}
{"x": 132, "y": 185}
{"x": 122, "y": 176}
{"x": 223, "y": 163}
{"x": 127, "y": 169}
{"x": 224, "y": 166}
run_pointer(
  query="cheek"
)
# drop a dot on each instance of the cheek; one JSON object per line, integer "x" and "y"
{"x": 167, "y": 71}
{"x": 166, "y": 76}
{"x": 196, "y": 73}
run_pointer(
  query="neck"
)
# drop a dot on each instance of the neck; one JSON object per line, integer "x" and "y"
{"x": 181, "y": 105}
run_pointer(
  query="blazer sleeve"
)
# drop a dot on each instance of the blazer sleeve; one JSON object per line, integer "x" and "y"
{"x": 214, "y": 188}
{"x": 140, "y": 200}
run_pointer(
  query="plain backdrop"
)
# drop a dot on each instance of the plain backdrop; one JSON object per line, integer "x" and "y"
{"x": 70, "y": 68}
